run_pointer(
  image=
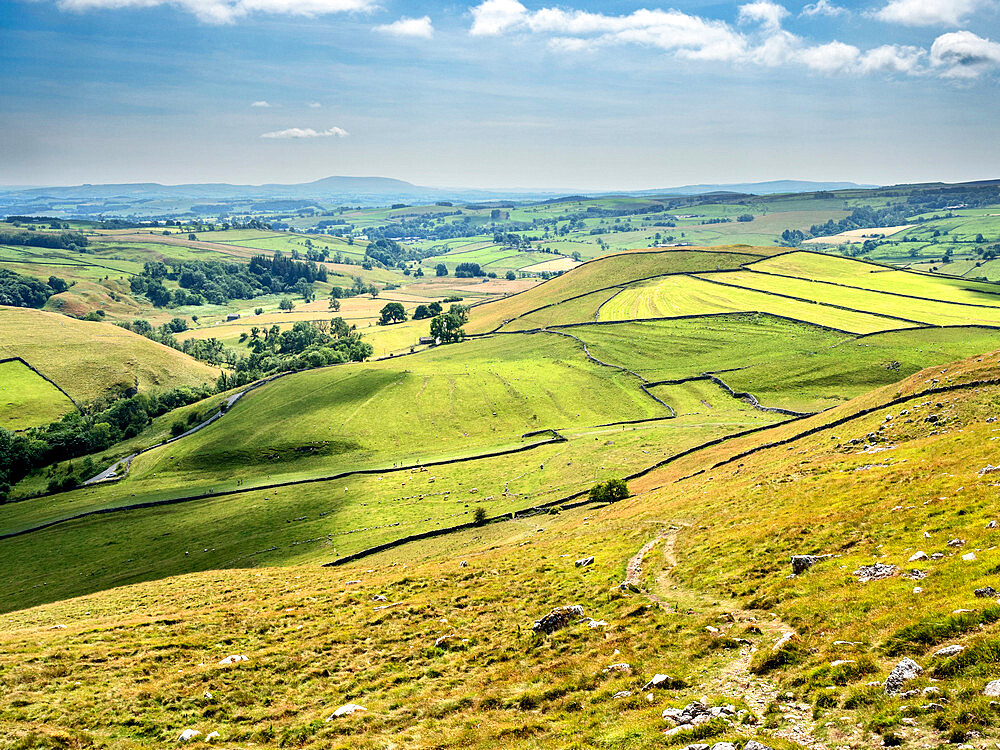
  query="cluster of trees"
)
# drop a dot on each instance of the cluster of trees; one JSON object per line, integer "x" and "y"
{"x": 427, "y": 311}
{"x": 61, "y": 241}
{"x": 217, "y": 282}
{"x": 864, "y": 217}
{"x": 305, "y": 346}
{"x": 468, "y": 270}
{"x": 25, "y": 291}
{"x": 96, "y": 428}
{"x": 358, "y": 288}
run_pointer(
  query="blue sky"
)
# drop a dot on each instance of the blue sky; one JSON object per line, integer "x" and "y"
{"x": 501, "y": 93}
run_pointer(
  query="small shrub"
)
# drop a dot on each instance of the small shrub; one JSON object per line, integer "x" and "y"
{"x": 479, "y": 516}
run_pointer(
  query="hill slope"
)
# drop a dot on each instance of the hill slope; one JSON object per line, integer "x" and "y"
{"x": 442, "y": 654}
{"x": 86, "y": 360}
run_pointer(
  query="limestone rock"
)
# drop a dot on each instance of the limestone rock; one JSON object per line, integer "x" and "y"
{"x": 584, "y": 562}
{"x": 903, "y": 672}
{"x": 754, "y": 745}
{"x": 949, "y": 651}
{"x": 558, "y": 618}
{"x": 987, "y": 592}
{"x": 233, "y": 659}
{"x": 622, "y": 668}
{"x": 992, "y": 689}
{"x": 918, "y": 556}
{"x": 188, "y": 735}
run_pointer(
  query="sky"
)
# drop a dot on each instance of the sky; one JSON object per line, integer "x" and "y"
{"x": 499, "y": 94}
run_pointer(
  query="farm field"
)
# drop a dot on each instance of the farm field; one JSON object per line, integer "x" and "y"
{"x": 683, "y": 295}
{"x": 27, "y": 399}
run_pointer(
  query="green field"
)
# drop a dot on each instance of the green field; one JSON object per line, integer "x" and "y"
{"x": 27, "y": 399}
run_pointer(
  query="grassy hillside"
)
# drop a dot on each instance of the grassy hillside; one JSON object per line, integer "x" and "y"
{"x": 27, "y": 399}
{"x": 88, "y": 360}
{"x": 135, "y": 666}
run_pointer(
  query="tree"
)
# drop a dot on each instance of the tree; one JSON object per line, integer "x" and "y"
{"x": 178, "y": 325}
{"x": 422, "y": 312}
{"x": 447, "y": 327}
{"x": 479, "y": 516}
{"x": 510, "y": 276}
{"x": 286, "y": 304}
{"x": 610, "y": 491}
{"x": 304, "y": 288}
{"x": 192, "y": 236}
{"x": 334, "y": 304}
{"x": 392, "y": 313}
{"x": 258, "y": 311}
{"x": 441, "y": 269}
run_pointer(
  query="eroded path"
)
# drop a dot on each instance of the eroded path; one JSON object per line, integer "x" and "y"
{"x": 793, "y": 721}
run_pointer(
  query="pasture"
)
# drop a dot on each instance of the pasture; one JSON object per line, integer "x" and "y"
{"x": 27, "y": 399}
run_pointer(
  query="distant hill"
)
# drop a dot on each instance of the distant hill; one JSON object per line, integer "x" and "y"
{"x": 758, "y": 188}
{"x": 154, "y": 198}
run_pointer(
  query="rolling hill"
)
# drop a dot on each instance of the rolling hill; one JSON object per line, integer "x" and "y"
{"x": 77, "y": 361}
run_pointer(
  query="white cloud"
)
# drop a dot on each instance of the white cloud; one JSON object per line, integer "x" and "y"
{"x": 892, "y": 58}
{"x": 306, "y": 133}
{"x": 764, "y": 12}
{"x": 956, "y": 55}
{"x": 228, "y": 11}
{"x": 689, "y": 36}
{"x": 835, "y": 57}
{"x": 494, "y": 17}
{"x": 824, "y": 8}
{"x": 314, "y": 105}
{"x": 420, "y": 28}
{"x": 962, "y": 54}
{"x": 929, "y": 12}
{"x": 261, "y": 104}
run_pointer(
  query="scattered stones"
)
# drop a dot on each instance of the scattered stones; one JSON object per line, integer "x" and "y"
{"x": 903, "y": 672}
{"x": 989, "y": 469}
{"x": 346, "y": 710}
{"x": 992, "y": 689}
{"x": 233, "y": 659}
{"x": 623, "y": 694}
{"x": 623, "y": 668}
{"x": 918, "y": 556}
{"x": 932, "y": 690}
{"x": 584, "y": 562}
{"x": 189, "y": 735}
{"x": 949, "y": 651}
{"x": 723, "y": 746}
{"x": 987, "y": 592}
{"x": 956, "y": 543}
{"x": 802, "y": 563}
{"x": 558, "y": 618}
{"x": 696, "y": 713}
{"x": 969, "y": 557}
{"x": 754, "y": 745}
{"x": 915, "y": 575}
{"x": 992, "y": 525}
{"x": 932, "y": 707}
{"x": 379, "y": 598}
{"x": 463, "y": 564}
{"x": 875, "y": 572}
